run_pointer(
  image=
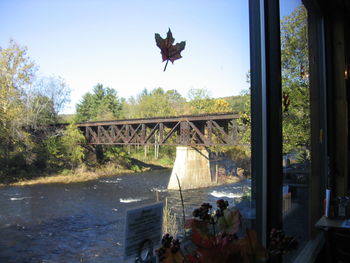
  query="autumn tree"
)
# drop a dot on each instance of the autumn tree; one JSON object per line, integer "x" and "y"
{"x": 201, "y": 102}
{"x": 27, "y": 108}
{"x": 16, "y": 73}
{"x": 220, "y": 106}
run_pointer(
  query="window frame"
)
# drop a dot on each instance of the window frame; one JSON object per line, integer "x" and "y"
{"x": 266, "y": 114}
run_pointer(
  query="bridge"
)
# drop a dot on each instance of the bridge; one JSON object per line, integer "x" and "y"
{"x": 190, "y": 130}
{"x": 193, "y": 167}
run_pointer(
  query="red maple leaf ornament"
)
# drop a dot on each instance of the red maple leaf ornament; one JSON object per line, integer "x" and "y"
{"x": 167, "y": 49}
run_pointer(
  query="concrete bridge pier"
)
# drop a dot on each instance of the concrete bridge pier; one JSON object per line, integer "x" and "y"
{"x": 192, "y": 167}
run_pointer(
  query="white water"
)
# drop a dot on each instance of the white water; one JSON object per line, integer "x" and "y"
{"x": 220, "y": 194}
{"x": 18, "y": 198}
{"x": 129, "y": 200}
{"x": 115, "y": 181}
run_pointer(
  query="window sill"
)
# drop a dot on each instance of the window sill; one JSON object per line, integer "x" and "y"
{"x": 311, "y": 250}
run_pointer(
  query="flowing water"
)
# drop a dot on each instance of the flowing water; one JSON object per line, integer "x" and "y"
{"x": 84, "y": 222}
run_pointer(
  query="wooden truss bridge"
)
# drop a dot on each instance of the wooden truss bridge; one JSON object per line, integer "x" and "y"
{"x": 189, "y": 130}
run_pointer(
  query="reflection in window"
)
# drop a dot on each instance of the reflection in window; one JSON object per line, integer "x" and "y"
{"x": 295, "y": 119}
{"x": 106, "y": 52}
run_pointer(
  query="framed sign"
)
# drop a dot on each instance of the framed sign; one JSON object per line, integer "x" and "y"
{"x": 143, "y": 232}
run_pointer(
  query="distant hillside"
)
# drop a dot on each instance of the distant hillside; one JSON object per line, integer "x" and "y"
{"x": 238, "y": 103}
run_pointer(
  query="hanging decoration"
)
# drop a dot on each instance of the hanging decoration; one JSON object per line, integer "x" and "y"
{"x": 169, "y": 51}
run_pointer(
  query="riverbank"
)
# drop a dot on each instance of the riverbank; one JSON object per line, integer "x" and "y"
{"x": 68, "y": 178}
{"x": 83, "y": 174}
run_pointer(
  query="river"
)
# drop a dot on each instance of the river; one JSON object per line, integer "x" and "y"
{"x": 84, "y": 222}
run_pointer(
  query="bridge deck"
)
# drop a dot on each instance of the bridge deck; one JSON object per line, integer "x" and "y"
{"x": 202, "y": 117}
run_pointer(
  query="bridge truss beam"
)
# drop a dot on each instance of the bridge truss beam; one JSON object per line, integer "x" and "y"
{"x": 193, "y": 130}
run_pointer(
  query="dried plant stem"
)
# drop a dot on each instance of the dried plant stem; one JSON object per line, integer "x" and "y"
{"x": 169, "y": 221}
{"x": 182, "y": 200}
{"x": 165, "y": 217}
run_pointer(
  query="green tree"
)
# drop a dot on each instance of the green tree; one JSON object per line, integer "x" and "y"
{"x": 40, "y": 112}
{"x": 102, "y": 104}
{"x": 65, "y": 150}
{"x": 71, "y": 141}
{"x": 27, "y": 107}
{"x": 238, "y": 103}
{"x": 199, "y": 101}
{"x": 295, "y": 82}
{"x": 244, "y": 121}
{"x": 157, "y": 103}
{"x": 16, "y": 73}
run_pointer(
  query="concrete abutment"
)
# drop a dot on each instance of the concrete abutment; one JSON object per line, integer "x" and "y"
{"x": 192, "y": 167}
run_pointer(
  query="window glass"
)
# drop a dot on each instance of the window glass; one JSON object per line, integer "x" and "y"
{"x": 295, "y": 120}
{"x": 105, "y": 54}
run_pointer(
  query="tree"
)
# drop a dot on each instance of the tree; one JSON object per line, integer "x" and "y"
{"x": 71, "y": 140}
{"x": 238, "y": 103}
{"x": 63, "y": 149}
{"x": 16, "y": 73}
{"x": 27, "y": 108}
{"x": 295, "y": 85}
{"x": 157, "y": 103}
{"x": 44, "y": 100}
{"x": 102, "y": 104}
{"x": 199, "y": 101}
{"x": 295, "y": 82}
{"x": 56, "y": 90}
{"x": 198, "y": 94}
{"x": 39, "y": 112}
{"x": 176, "y": 101}
{"x": 220, "y": 105}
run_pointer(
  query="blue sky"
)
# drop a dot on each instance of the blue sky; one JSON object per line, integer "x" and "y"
{"x": 112, "y": 42}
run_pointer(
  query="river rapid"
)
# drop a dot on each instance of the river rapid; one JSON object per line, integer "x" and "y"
{"x": 84, "y": 222}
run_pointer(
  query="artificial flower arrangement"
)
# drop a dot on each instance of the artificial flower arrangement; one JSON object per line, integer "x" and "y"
{"x": 212, "y": 237}
{"x": 280, "y": 243}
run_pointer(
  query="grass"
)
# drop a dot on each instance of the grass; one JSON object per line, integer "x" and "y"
{"x": 163, "y": 160}
{"x": 68, "y": 177}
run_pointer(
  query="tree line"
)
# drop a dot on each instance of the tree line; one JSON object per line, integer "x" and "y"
{"x": 103, "y": 103}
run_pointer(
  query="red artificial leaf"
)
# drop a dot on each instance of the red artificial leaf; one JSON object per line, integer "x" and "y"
{"x": 200, "y": 233}
{"x": 167, "y": 49}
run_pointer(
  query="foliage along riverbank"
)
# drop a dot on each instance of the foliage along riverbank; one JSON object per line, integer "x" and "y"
{"x": 83, "y": 173}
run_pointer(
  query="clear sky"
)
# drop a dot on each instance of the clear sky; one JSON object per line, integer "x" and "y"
{"x": 112, "y": 42}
